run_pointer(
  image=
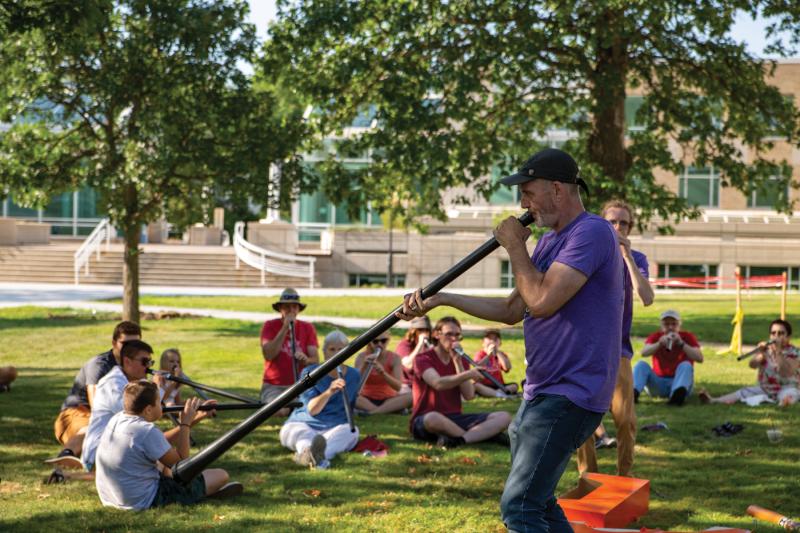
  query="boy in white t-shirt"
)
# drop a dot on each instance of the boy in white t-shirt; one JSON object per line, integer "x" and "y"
{"x": 131, "y": 447}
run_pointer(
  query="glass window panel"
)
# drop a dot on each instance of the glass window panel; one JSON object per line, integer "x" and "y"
{"x": 89, "y": 205}
{"x": 506, "y": 275}
{"x": 15, "y": 210}
{"x": 504, "y": 195}
{"x": 60, "y": 206}
{"x": 315, "y": 208}
{"x": 632, "y": 105}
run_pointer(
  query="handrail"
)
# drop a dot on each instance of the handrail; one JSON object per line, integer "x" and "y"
{"x": 268, "y": 261}
{"x": 101, "y": 232}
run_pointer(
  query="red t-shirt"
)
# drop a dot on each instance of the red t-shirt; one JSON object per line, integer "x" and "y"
{"x": 403, "y": 349}
{"x": 666, "y": 361}
{"x": 425, "y": 397}
{"x": 492, "y": 368}
{"x": 376, "y": 386}
{"x": 279, "y": 370}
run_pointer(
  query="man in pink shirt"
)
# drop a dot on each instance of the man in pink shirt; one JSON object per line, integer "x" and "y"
{"x": 281, "y": 366}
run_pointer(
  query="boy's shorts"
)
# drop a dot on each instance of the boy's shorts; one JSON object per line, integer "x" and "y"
{"x": 170, "y": 491}
{"x": 462, "y": 420}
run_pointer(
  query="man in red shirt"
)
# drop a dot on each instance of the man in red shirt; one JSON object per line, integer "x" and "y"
{"x": 439, "y": 383}
{"x": 280, "y": 365}
{"x": 674, "y": 354}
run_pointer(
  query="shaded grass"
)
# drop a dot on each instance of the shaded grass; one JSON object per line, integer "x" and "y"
{"x": 707, "y": 315}
{"x": 697, "y": 480}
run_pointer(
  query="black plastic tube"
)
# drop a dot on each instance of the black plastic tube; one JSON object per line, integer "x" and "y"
{"x": 200, "y": 386}
{"x": 186, "y": 470}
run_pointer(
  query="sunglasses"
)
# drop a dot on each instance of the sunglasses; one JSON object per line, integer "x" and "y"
{"x": 380, "y": 341}
{"x": 452, "y": 335}
{"x": 146, "y": 362}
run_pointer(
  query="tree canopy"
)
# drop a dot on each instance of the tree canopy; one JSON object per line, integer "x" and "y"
{"x": 462, "y": 89}
{"x": 146, "y": 102}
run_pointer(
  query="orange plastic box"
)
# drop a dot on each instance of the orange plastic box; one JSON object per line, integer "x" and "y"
{"x": 600, "y": 500}
{"x": 580, "y": 527}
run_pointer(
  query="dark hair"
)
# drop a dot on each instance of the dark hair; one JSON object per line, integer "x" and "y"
{"x": 126, "y": 328}
{"x": 785, "y": 324}
{"x": 131, "y": 348}
{"x": 138, "y": 395}
{"x": 446, "y": 320}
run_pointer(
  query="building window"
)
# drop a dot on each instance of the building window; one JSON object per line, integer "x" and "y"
{"x": 506, "y": 275}
{"x": 632, "y": 105}
{"x": 700, "y": 186}
{"x": 376, "y": 280}
{"x": 690, "y": 271}
{"x": 770, "y": 195}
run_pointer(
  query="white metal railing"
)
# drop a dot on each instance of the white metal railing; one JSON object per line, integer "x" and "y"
{"x": 272, "y": 262}
{"x": 102, "y": 232}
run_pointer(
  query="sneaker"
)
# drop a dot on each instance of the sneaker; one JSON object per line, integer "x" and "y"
{"x": 704, "y": 396}
{"x": 605, "y": 442}
{"x": 65, "y": 459}
{"x": 229, "y": 490}
{"x": 314, "y": 454}
{"x": 502, "y": 439}
{"x": 56, "y": 477}
{"x": 635, "y": 396}
{"x": 448, "y": 443}
{"x": 678, "y": 397}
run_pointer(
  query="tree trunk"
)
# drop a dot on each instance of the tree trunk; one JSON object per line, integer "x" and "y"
{"x": 607, "y": 139}
{"x": 130, "y": 274}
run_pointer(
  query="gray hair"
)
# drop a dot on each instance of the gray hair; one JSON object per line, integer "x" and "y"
{"x": 334, "y": 336}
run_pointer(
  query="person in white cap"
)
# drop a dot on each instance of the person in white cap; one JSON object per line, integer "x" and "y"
{"x": 674, "y": 354}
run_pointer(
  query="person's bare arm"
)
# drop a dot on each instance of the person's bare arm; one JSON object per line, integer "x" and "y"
{"x": 508, "y": 310}
{"x": 395, "y": 378}
{"x": 437, "y": 382}
{"x": 271, "y": 348}
{"x": 408, "y": 360}
{"x": 313, "y": 355}
{"x": 695, "y": 353}
{"x": 503, "y": 361}
{"x": 650, "y": 349}
{"x": 640, "y": 284}
{"x": 318, "y": 403}
{"x": 467, "y": 388}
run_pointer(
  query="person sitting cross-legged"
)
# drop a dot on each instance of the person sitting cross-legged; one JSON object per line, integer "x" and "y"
{"x": 674, "y": 354}
{"x": 319, "y": 430}
{"x": 132, "y": 447}
{"x": 381, "y": 390}
{"x": 440, "y": 382}
{"x": 495, "y": 362}
{"x": 778, "y": 365}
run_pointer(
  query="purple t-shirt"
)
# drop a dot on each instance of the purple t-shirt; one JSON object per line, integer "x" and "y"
{"x": 575, "y": 352}
{"x": 627, "y": 313}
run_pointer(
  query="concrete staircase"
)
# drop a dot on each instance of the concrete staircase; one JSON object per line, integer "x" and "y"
{"x": 159, "y": 265}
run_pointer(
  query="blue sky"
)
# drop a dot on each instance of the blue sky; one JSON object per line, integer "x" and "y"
{"x": 746, "y": 29}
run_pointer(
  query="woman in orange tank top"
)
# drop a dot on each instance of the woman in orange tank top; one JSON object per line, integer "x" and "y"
{"x": 380, "y": 393}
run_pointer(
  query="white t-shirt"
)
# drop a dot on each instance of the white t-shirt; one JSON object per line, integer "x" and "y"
{"x": 106, "y": 403}
{"x": 127, "y": 477}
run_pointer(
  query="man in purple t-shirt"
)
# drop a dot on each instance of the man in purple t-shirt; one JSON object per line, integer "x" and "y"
{"x": 620, "y": 216}
{"x": 572, "y": 350}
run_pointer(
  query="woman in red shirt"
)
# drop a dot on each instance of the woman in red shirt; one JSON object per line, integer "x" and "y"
{"x": 382, "y": 390}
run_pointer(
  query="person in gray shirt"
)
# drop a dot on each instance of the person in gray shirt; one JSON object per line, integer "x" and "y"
{"x": 132, "y": 449}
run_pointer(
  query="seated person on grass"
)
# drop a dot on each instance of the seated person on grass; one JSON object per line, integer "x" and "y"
{"x": 778, "y": 364}
{"x": 7, "y": 376}
{"x": 416, "y": 340}
{"x": 73, "y": 420}
{"x": 674, "y": 354}
{"x": 495, "y": 362}
{"x": 319, "y": 431}
{"x": 440, "y": 382}
{"x": 136, "y": 359}
{"x": 132, "y": 447}
{"x": 171, "y": 362}
{"x": 381, "y": 391}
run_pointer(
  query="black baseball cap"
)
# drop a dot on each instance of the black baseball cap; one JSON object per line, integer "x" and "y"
{"x": 549, "y": 164}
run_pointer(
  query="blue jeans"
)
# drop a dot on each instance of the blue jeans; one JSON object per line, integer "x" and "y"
{"x": 544, "y": 434}
{"x": 643, "y": 376}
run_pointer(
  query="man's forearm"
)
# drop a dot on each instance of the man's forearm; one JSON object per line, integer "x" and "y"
{"x": 272, "y": 348}
{"x": 649, "y": 349}
{"x": 450, "y": 382}
{"x": 485, "y": 307}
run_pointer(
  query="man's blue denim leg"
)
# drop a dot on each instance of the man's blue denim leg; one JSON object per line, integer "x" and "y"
{"x": 641, "y": 375}
{"x": 544, "y": 434}
{"x": 684, "y": 377}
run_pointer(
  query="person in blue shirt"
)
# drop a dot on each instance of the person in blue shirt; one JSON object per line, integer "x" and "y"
{"x": 319, "y": 430}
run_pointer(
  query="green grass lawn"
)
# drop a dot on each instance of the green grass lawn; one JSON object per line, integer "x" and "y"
{"x": 697, "y": 480}
{"x": 707, "y": 315}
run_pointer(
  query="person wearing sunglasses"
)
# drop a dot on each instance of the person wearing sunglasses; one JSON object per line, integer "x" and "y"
{"x": 440, "y": 383}
{"x": 778, "y": 364}
{"x": 135, "y": 358}
{"x": 381, "y": 392}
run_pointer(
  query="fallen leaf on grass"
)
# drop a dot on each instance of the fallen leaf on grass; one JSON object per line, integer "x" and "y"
{"x": 219, "y": 517}
{"x": 468, "y": 461}
{"x": 8, "y": 487}
{"x": 312, "y": 493}
{"x": 455, "y": 478}
{"x": 42, "y": 496}
{"x": 412, "y": 470}
{"x": 424, "y": 459}
{"x": 744, "y": 452}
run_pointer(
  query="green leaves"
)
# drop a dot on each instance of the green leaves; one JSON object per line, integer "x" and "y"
{"x": 460, "y": 87}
